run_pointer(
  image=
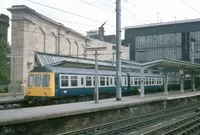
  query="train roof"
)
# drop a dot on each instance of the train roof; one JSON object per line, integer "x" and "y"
{"x": 61, "y": 70}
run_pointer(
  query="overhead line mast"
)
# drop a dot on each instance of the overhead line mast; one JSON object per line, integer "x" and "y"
{"x": 118, "y": 50}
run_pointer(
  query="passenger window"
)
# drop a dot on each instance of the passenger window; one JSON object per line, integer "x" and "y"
{"x": 152, "y": 80}
{"x": 132, "y": 81}
{"x": 37, "y": 80}
{"x": 102, "y": 81}
{"x": 135, "y": 79}
{"x": 93, "y": 81}
{"x": 160, "y": 81}
{"x": 149, "y": 80}
{"x": 125, "y": 81}
{"x": 139, "y": 80}
{"x": 88, "y": 81}
{"x": 155, "y": 81}
{"x": 82, "y": 80}
{"x": 107, "y": 81}
{"x": 45, "y": 80}
{"x": 146, "y": 81}
{"x": 64, "y": 81}
{"x": 30, "y": 80}
{"x": 115, "y": 80}
{"x": 74, "y": 81}
{"x": 122, "y": 81}
{"x": 111, "y": 81}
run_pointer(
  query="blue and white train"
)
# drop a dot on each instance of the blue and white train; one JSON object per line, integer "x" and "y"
{"x": 58, "y": 82}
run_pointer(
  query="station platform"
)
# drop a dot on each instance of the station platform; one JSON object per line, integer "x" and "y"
{"x": 15, "y": 116}
{"x": 8, "y": 98}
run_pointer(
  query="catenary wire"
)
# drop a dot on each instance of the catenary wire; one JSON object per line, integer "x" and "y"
{"x": 190, "y": 6}
{"x": 67, "y": 12}
{"x": 97, "y": 6}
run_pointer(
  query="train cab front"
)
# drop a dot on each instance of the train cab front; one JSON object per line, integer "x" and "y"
{"x": 40, "y": 86}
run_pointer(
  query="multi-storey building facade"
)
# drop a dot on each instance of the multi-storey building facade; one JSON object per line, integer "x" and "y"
{"x": 164, "y": 40}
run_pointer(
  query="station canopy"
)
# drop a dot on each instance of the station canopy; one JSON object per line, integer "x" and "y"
{"x": 172, "y": 65}
{"x": 166, "y": 64}
{"x": 50, "y": 60}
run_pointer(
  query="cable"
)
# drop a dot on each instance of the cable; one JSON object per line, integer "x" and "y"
{"x": 190, "y": 6}
{"x": 67, "y": 21}
{"x": 48, "y": 34}
{"x": 60, "y": 37}
{"x": 2, "y": 8}
{"x": 79, "y": 54}
{"x": 45, "y": 34}
{"x": 66, "y": 12}
{"x": 79, "y": 23}
{"x": 66, "y": 27}
{"x": 110, "y": 1}
{"x": 96, "y": 6}
{"x": 135, "y": 15}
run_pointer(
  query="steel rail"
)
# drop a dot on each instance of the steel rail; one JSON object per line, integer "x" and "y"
{"x": 168, "y": 126}
{"x": 132, "y": 121}
{"x": 185, "y": 125}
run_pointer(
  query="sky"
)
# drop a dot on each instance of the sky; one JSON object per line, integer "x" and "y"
{"x": 85, "y": 15}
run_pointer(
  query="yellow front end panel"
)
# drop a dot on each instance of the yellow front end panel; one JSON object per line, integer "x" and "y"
{"x": 48, "y": 91}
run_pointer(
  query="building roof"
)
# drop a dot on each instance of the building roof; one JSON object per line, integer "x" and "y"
{"x": 110, "y": 39}
{"x": 163, "y": 23}
{"x": 171, "y": 65}
{"x": 47, "y": 59}
{"x": 73, "y": 71}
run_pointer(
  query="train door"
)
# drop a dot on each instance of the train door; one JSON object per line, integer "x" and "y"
{"x": 82, "y": 81}
{"x": 129, "y": 82}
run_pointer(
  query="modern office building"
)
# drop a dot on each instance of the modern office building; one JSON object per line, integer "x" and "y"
{"x": 164, "y": 40}
{"x": 4, "y": 24}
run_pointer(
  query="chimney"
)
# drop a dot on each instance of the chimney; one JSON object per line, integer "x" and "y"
{"x": 101, "y": 33}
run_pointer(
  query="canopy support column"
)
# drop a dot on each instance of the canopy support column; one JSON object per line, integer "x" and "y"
{"x": 165, "y": 83}
{"x": 193, "y": 81}
{"x": 142, "y": 82}
{"x": 182, "y": 82}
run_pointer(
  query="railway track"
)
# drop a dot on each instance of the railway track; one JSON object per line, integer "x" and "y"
{"x": 188, "y": 125}
{"x": 133, "y": 124}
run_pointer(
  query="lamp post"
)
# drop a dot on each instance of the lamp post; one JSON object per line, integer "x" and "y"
{"x": 96, "y": 90}
{"x": 13, "y": 75}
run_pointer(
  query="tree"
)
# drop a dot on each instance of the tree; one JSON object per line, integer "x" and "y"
{"x": 4, "y": 61}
